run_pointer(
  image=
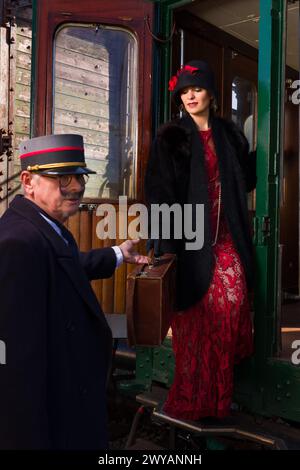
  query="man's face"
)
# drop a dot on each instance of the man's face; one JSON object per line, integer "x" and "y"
{"x": 58, "y": 200}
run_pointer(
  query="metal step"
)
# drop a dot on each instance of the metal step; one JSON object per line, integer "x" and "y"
{"x": 229, "y": 427}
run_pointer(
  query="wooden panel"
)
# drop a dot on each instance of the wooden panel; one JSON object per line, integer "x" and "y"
{"x": 80, "y": 120}
{"x": 74, "y": 226}
{"x": 120, "y": 274}
{"x": 23, "y": 76}
{"x": 85, "y": 229}
{"x": 23, "y": 43}
{"x": 24, "y": 60}
{"x": 96, "y": 243}
{"x": 107, "y": 300}
{"x": 108, "y": 284}
{"x": 81, "y": 76}
{"x": 111, "y": 293}
{"x": 4, "y": 93}
{"x": 23, "y": 92}
{"x": 75, "y": 45}
{"x": 21, "y": 86}
{"x": 82, "y": 90}
{"x": 89, "y": 136}
{"x": 26, "y": 31}
{"x": 73, "y": 59}
{"x": 18, "y": 139}
{"x": 22, "y": 108}
{"x": 12, "y": 186}
{"x": 72, "y": 102}
{"x": 22, "y": 125}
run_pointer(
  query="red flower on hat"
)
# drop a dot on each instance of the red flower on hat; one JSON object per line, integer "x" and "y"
{"x": 173, "y": 82}
{"x": 185, "y": 68}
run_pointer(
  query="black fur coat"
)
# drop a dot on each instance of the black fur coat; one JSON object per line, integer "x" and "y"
{"x": 176, "y": 174}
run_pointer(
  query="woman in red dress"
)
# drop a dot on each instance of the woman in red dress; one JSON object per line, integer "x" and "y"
{"x": 202, "y": 159}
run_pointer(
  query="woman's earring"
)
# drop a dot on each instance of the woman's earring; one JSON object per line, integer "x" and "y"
{"x": 181, "y": 108}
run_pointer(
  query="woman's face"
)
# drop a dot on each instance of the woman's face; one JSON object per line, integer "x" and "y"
{"x": 195, "y": 100}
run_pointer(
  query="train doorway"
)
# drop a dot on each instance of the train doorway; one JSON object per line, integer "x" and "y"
{"x": 265, "y": 28}
{"x": 227, "y": 36}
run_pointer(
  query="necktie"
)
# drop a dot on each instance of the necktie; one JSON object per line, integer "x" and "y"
{"x": 70, "y": 239}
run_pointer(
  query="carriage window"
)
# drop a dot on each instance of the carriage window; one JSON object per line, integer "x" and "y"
{"x": 95, "y": 95}
{"x": 243, "y": 108}
{"x": 243, "y": 113}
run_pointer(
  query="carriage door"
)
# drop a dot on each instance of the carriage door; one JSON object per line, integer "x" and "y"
{"x": 240, "y": 101}
{"x": 93, "y": 77}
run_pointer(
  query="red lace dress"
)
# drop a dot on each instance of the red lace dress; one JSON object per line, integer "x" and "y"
{"x": 215, "y": 333}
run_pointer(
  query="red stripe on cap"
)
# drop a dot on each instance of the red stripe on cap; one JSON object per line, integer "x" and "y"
{"x": 57, "y": 149}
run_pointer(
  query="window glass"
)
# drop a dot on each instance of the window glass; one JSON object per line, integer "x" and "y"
{"x": 95, "y": 95}
{"x": 244, "y": 114}
{"x": 243, "y": 108}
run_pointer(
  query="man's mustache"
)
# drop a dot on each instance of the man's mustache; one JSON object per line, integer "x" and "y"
{"x": 72, "y": 196}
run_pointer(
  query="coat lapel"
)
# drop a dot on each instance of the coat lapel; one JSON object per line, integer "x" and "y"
{"x": 64, "y": 255}
{"x": 198, "y": 173}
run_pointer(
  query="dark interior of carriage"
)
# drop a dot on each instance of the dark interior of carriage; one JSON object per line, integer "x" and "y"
{"x": 205, "y": 27}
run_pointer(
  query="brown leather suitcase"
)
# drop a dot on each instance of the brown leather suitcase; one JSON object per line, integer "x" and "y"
{"x": 150, "y": 301}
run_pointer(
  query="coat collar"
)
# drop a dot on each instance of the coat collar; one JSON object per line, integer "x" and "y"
{"x": 217, "y": 125}
{"x": 223, "y": 146}
{"x": 65, "y": 257}
{"x": 31, "y": 212}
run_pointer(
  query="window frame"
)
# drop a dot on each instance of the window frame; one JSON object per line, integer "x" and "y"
{"x": 134, "y": 17}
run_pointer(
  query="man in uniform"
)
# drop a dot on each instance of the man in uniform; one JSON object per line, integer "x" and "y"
{"x": 58, "y": 344}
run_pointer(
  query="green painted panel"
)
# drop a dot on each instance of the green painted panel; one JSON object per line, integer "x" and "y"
{"x": 163, "y": 364}
{"x": 270, "y": 119}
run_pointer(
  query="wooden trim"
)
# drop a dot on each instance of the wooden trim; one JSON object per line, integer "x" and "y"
{"x": 114, "y": 202}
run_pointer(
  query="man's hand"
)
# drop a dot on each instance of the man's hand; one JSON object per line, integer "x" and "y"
{"x": 130, "y": 255}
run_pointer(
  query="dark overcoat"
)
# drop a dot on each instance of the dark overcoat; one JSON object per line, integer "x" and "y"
{"x": 176, "y": 173}
{"x": 58, "y": 343}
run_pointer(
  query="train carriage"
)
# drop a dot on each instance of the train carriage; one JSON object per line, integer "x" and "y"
{"x": 100, "y": 69}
